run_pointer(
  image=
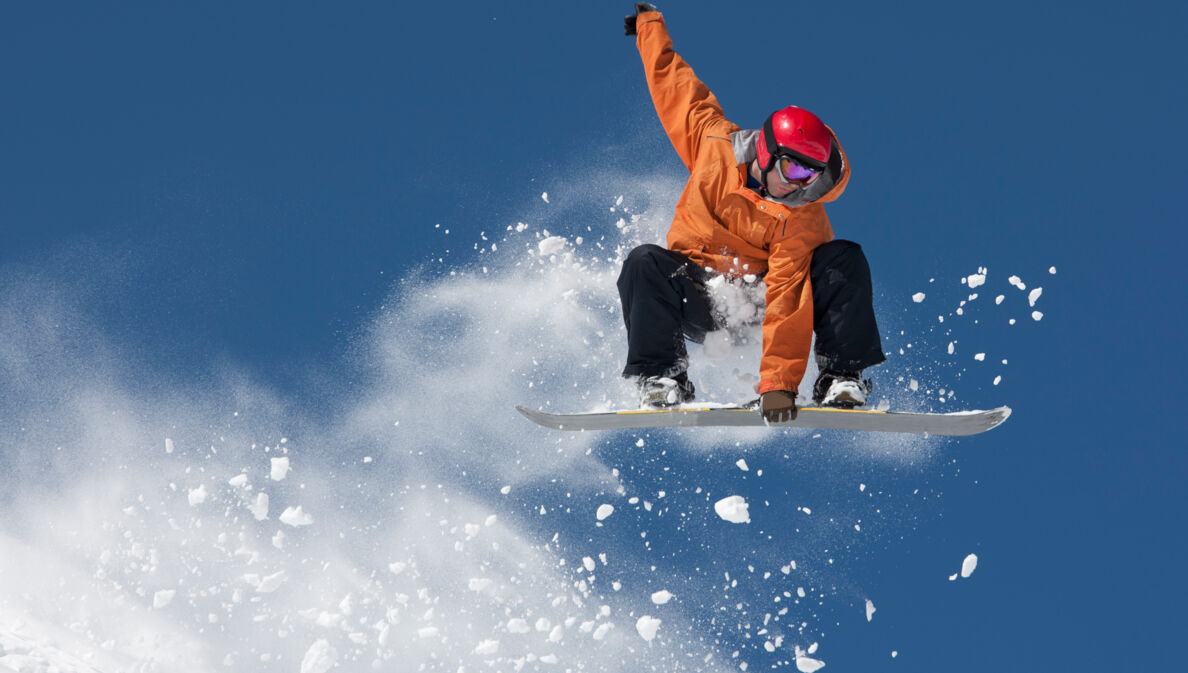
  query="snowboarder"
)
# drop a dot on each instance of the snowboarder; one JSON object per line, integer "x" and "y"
{"x": 753, "y": 207}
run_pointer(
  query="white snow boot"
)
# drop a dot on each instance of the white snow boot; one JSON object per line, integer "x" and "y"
{"x": 661, "y": 391}
{"x": 845, "y": 390}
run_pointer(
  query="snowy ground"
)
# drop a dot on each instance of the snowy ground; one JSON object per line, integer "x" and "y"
{"x": 159, "y": 525}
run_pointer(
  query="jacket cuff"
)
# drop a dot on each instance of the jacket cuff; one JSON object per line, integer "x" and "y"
{"x": 768, "y": 385}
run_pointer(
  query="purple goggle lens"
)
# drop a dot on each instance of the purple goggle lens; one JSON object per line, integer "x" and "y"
{"x": 794, "y": 171}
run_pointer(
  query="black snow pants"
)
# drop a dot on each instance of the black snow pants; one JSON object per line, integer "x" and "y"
{"x": 665, "y": 301}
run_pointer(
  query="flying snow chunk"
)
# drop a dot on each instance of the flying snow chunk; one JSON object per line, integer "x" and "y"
{"x": 197, "y": 495}
{"x": 733, "y": 509}
{"x": 968, "y": 565}
{"x": 260, "y": 508}
{"x": 1052, "y": 270}
{"x": 487, "y": 647}
{"x": 604, "y": 510}
{"x": 742, "y": 465}
{"x": 544, "y": 196}
{"x": 1034, "y": 296}
{"x": 271, "y": 583}
{"x": 1017, "y": 282}
{"x": 163, "y": 598}
{"x": 280, "y": 468}
{"x": 1037, "y": 316}
{"x": 870, "y": 610}
{"x": 518, "y": 626}
{"x": 976, "y": 279}
{"x": 295, "y": 516}
{"x": 647, "y": 627}
{"x": 806, "y": 664}
{"x": 168, "y": 445}
{"x": 552, "y": 245}
{"x": 918, "y": 297}
{"x": 319, "y": 658}
{"x": 661, "y": 597}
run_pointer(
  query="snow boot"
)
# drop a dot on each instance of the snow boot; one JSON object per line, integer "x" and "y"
{"x": 657, "y": 392}
{"x": 844, "y": 390}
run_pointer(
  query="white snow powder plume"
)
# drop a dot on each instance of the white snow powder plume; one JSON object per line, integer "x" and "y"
{"x": 152, "y": 523}
{"x": 155, "y": 523}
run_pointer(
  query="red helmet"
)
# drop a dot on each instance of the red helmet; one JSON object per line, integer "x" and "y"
{"x": 794, "y": 132}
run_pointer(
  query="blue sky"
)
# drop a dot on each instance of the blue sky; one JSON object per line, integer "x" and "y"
{"x": 244, "y": 185}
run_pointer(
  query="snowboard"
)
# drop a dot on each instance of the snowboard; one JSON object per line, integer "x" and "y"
{"x": 956, "y": 424}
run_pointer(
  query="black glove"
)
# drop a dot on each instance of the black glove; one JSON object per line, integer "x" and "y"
{"x": 778, "y": 406}
{"x": 629, "y": 21}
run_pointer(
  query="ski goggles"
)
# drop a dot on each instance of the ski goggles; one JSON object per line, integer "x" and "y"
{"x": 793, "y": 172}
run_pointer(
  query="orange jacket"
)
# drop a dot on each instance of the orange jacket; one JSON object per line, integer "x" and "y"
{"x": 721, "y": 224}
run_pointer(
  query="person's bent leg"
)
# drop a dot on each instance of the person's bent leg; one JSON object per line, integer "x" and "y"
{"x": 664, "y": 300}
{"x": 847, "y": 334}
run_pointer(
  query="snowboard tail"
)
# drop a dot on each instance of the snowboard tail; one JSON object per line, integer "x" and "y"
{"x": 961, "y": 423}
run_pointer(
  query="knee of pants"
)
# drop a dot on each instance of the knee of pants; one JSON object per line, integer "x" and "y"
{"x": 838, "y": 253}
{"x": 642, "y": 254}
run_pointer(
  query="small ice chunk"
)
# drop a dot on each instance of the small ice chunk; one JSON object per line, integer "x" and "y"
{"x": 604, "y": 510}
{"x": 168, "y": 445}
{"x": 238, "y": 481}
{"x": 552, "y": 245}
{"x": 588, "y": 564}
{"x": 918, "y": 297}
{"x": 952, "y": 347}
{"x": 397, "y": 568}
{"x": 806, "y": 664}
{"x": 661, "y": 597}
{"x": 319, "y": 658}
{"x": 980, "y": 357}
{"x": 997, "y": 380}
{"x": 518, "y": 625}
{"x": 259, "y": 509}
{"x": 870, "y": 610}
{"x": 478, "y": 583}
{"x": 197, "y": 496}
{"x": 271, "y": 583}
{"x": 976, "y": 279}
{"x": 742, "y": 465}
{"x": 1034, "y": 296}
{"x": 647, "y": 626}
{"x": 280, "y": 468}
{"x": 1037, "y": 316}
{"x": 1052, "y": 270}
{"x": 487, "y": 647}
{"x": 295, "y": 516}
{"x": 733, "y": 509}
{"x": 1017, "y": 282}
{"x": 163, "y": 598}
{"x": 968, "y": 565}
{"x": 999, "y": 299}
{"x": 544, "y": 196}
